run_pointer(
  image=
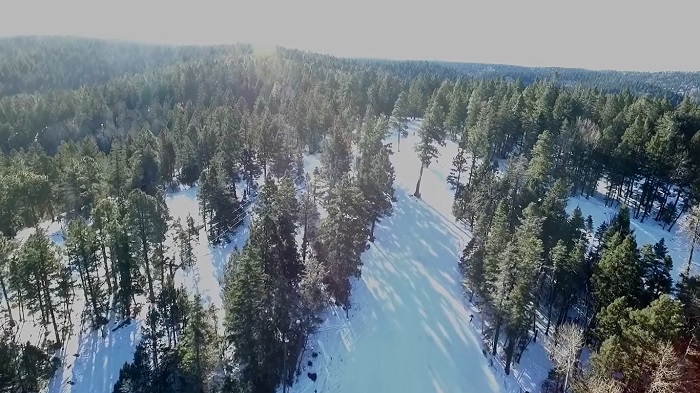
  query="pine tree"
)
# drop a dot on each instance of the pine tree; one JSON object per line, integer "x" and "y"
{"x": 498, "y": 237}
{"x": 82, "y": 249}
{"x": 145, "y": 164}
{"x": 539, "y": 171}
{"x": 187, "y": 236}
{"x": 459, "y": 165}
{"x": 247, "y": 323}
{"x": 519, "y": 270}
{"x": 376, "y": 175}
{"x": 105, "y": 216}
{"x": 632, "y": 345}
{"x": 119, "y": 169}
{"x": 618, "y": 273}
{"x": 689, "y": 227}
{"x": 310, "y": 222}
{"x": 147, "y": 228}
{"x": 472, "y": 266}
{"x": 431, "y": 133}
{"x": 343, "y": 235}
{"x": 197, "y": 346}
{"x": 7, "y": 253}
{"x": 656, "y": 265}
{"x": 399, "y": 118}
{"x": 336, "y": 154}
{"x": 38, "y": 275}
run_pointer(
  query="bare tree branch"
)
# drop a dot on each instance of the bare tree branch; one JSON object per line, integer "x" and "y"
{"x": 667, "y": 374}
{"x": 564, "y": 350}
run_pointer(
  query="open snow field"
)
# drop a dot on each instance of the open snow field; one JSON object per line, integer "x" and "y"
{"x": 91, "y": 360}
{"x": 647, "y": 232}
{"x": 409, "y": 329}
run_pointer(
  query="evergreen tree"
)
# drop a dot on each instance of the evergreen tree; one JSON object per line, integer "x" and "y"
{"x": 343, "y": 237}
{"x": 147, "y": 228}
{"x": 431, "y": 133}
{"x": 472, "y": 266}
{"x": 39, "y": 275}
{"x": 656, "y": 266}
{"x": 539, "y": 170}
{"x": 399, "y": 118}
{"x": 631, "y": 345}
{"x": 197, "y": 348}
{"x": 336, "y": 154}
{"x": 376, "y": 175}
{"x": 145, "y": 164}
{"x": 518, "y": 274}
{"x": 618, "y": 273}
{"x": 248, "y": 322}
{"x": 82, "y": 250}
{"x": 7, "y": 253}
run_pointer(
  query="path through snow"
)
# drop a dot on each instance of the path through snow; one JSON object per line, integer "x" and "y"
{"x": 409, "y": 329}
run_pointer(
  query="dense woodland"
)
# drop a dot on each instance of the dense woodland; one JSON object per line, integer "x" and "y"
{"x": 98, "y": 143}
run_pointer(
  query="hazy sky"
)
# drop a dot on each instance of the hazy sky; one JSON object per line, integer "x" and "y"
{"x": 596, "y": 34}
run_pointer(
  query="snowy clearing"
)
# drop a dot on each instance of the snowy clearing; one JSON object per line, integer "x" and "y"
{"x": 648, "y": 232}
{"x": 409, "y": 328}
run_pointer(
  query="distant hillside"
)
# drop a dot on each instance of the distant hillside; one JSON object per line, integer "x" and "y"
{"x": 33, "y": 64}
{"x": 671, "y": 84}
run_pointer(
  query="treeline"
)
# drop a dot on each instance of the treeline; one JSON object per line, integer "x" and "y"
{"x": 35, "y": 64}
{"x": 274, "y": 288}
{"x": 103, "y": 157}
{"x": 531, "y": 263}
{"x": 109, "y": 182}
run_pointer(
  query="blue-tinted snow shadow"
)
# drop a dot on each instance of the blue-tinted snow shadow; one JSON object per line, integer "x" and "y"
{"x": 413, "y": 303}
{"x": 96, "y": 369}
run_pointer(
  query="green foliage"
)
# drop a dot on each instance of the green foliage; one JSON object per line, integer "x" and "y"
{"x": 632, "y": 338}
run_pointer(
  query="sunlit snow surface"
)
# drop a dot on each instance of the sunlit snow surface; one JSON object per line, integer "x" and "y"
{"x": 648, "y": 232}
{"x": 92, "y": 359}
{"x": 409, "y": 328}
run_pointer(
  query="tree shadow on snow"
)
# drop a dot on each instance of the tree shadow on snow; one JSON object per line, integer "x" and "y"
{"x": 412, "y": 307}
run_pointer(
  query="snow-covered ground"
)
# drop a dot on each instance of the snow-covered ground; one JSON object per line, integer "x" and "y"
{"x": 648, "y": 232}
{"x": 91, "y": 360}
{"x": 205, "y": 277}
{"x": 408, "y": 329}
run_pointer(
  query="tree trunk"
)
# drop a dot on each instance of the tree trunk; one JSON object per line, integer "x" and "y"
{"x": 146, "y": 263}
{"x": 52, "y": 314}
{"x": 509, "y": 355}
{"x": 471, "y": 170}
{"x": 496, "y": 334}
{"x": 7, "y": 299}
{"x": 398, "y": 141}
{"x": 371, "y": 231}
{"x": 690, "y": 256}
{"x": 549, "y": 311}
{"x": 685, "y": 207}
{"x": 86, "y": 288}
{"x": 104, "y": 260}
{"x": 420, "y": 177}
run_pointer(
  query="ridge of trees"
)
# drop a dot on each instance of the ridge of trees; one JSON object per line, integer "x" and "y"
{"x": 104, "y": 156}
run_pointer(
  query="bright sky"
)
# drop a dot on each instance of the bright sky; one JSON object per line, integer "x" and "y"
{"x": 596, "y": 34}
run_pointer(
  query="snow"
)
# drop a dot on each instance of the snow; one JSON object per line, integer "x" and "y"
{"x": 647, "y": 232}
{"x": 205, "y": 277}
{"x": 408, "y": 329}
{"x": 91, "y": 360}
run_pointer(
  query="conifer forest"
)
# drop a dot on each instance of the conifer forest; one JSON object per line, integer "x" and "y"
{"x": 225, "y": 219}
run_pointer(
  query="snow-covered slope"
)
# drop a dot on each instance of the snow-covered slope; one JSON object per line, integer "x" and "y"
{"x": 408, "y": 329}
{"x": 91, "y": 359}
{"x": 647, "y": 232}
